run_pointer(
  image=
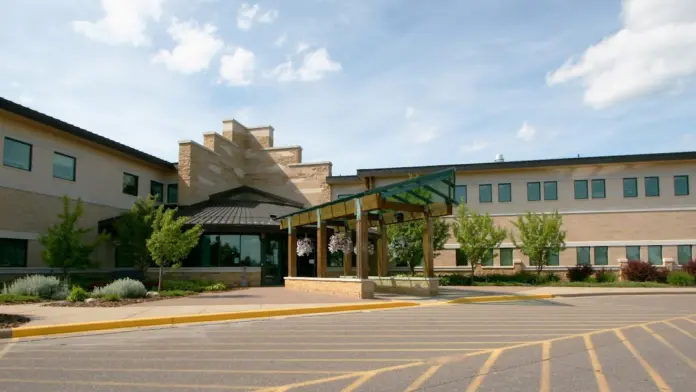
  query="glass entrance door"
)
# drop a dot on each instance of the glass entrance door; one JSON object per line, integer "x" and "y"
{"x": 272, "y": 266}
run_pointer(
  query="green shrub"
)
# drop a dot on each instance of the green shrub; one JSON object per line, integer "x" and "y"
{"x": 124, "y": 288}
{"x": 46, "y": 287}
{"x": 112, "y": 297}
{"x": 18, "y": 299}
{"x": 219, "y": 286}
{"x": 603, "y": 276}
{"x": 591, "y": 279}
{"x": 175, "y": 293}
{"x": 579, "y": 273}
{"x": 454, "y": 280}
{"x": 547, "y": 277}
{"x": 680, "y": 278}
{"x": 78, "y": 294}
{"x": 197, "y": 286}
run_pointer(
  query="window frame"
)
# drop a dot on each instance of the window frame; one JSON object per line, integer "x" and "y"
{"x": 632, "y": 247}
{"x": 74, "y": 167}
{"x": 604, "y": 188}
{"x": 635, "y": 187}
{"x": 650, "y": 247}
{"x": 554, "y": 259}
{"x": 538, "y": 185}
{"x": 606, "y": 255}
{"x": 555, "y": 190}
{"x": 509, "y": 251}
{"x": 684, "y": 177}
{"x": 588, "y": 251}
{"x": 650, "y": 178}
{"x": 587, "y": 189}
{"x": 123, "y": 185}
{"x": 490, "y": 193}
{"x": 466, "y": 195}
{"x": 509, "y": 192}
{"x": 31, "y": 154}
{"x": 153, "y": 182}
{"x": 681, "y": 261}
{"x": 174, "y": 186}
{"x": 24, "y": 243}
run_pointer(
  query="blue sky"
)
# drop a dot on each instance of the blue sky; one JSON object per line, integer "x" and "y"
{"x": 364, "y": 83}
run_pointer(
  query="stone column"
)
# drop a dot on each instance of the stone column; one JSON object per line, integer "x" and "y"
{"x": 428, "y": 269}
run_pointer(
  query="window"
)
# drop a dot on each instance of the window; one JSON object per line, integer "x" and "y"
{"x": 344, "y": 195}
{"x": 16, "y": 154}
{"x": 533, "y": 191}
{"x": 63, "y": 166}
{"x": 655, "y": 254}
{"x": 460, "y": 193}
{"x": 130, "y": 184}
{"x": 226, "y": 250}
{"x": 633, "y": 253}
{"x": 13, "y": 252}
{"x": 550, "y": 190}
{"x": 581, "y": 189}
{"x": 504, "y": 193}
{"x": 461, "y": 258}
{"x": 506, "y": 257}
{"x": 583, "y": 255}
{"x": 485, "y": 193}
{"x": 157, "y": 190}
{"x": 681, "y": 185}
{"x": 172, "y": 193}
{"x": 488, "y": 258}
{"x": 630, "y": 187}
{"x": 652, "y": 186}
{"x": 599, "y": 190}
{"x": 601, "y": 255}
{"x": 554, "y": 259}
{"x": 684, "y": 254}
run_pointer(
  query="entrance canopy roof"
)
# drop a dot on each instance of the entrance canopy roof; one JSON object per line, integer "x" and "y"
{"x": 394, "y": 203}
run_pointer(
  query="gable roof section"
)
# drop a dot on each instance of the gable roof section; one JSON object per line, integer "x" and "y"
{"x": 41, "y": 118}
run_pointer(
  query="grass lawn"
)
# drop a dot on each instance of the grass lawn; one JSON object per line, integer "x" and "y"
{"x": 11, "y": 299}
{"x": 579, "y": 284}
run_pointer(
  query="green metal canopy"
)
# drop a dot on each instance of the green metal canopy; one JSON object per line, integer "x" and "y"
{"x": 394, "y": 203}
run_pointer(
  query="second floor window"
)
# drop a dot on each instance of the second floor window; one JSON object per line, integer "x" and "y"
{"x": 172, "y": 193}
{"x": 64, "y": 166}
{"x": 485, "y": 193}
{"x": 533, "y": 191}
{"x": 157, "y": 191}
{"x": 681, "y": 185}
{"x": 17, "y": 154}
{"x": 460, "y": 194}
{"x": 581, "y": 191}
{"x": 599, "y": 190}
{"x": 630, "y": 187}
{"x": 550, "y": 190}
{"x": 504, "y": 193}
{"x": 130, "y": 184}
{"x": 652, "y": 186}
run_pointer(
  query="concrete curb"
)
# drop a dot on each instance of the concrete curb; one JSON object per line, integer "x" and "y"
{"x": 576, "y": 295}
{"x": 22, "y": 332}
{"x": 499, "y": 298}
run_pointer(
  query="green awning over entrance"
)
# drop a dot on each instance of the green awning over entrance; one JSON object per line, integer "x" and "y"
{"x": 398, "y": 202}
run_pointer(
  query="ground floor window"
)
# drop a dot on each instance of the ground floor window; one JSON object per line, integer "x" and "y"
{"x": 461, "y": 258}
{"x": 583, "y": 255}
{"x": 506, "y": 257}
{"x": 655, "y": 254}
{"x": 684, "y": 254}
{"x": 632, "y": 253}
{"x": 227, "y": 250}
{"x": 554, "y": 259}
{"x": 601, "y": 255}
{"x": 488, "y": 258}
{"x": 13, "y": 252}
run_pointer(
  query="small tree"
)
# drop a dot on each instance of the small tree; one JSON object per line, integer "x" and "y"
{"x": 406, "y": 241}
{"x": 169, "y": 244}
{"x": 63, "y": 242}
{"x": 133, "y": 229}
{"x": 540, "y": 236}
{"x": 477, "y": 235}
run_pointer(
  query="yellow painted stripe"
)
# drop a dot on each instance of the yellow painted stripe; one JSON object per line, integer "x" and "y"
{"x": 359, "y": 382}
{"x": 128, "y": 384}
{"x": 657, "y": 379}
{"x": 112, "y": 350}
{"x": 423, "y": 378}
{"x": 545, "y": 384}
{"x": 239, "y": 359}
{"x": 156, "y": 370}
{"x": 197, "y": 318}
{"x": 483, "y": 371}
{"x": 498, "y": 298}
{"x": 685, "y": 332}
{"x": 676, "y": 351}
{"x": 602, "y": 384}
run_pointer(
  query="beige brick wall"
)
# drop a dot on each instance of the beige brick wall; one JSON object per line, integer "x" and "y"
{"x": 346, "y": 288}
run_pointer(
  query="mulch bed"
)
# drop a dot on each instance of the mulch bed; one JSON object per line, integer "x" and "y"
{"x": 12, "y": 320}
{"x": 105, "y": 304}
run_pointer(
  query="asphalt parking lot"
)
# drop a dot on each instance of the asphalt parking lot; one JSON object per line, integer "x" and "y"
{"x": 629, "y": 343}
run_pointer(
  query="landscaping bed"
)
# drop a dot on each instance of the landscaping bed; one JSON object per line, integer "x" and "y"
{"x": 12, "y": 320}
{"x": 12, "y": 299}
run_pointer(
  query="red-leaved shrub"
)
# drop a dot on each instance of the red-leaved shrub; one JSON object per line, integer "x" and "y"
{"x": 641, "y": 271}
{"x": 690, "y": 268}
{"x": 580, "y": 272}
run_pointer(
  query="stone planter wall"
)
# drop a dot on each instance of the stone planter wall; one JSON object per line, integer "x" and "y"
{"x": 347, "y": 287}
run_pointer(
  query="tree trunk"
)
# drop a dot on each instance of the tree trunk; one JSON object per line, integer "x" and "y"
{"x": 473, "y": 272}
{"x": 412, "y": 268}
{"x": 159, "y": 281}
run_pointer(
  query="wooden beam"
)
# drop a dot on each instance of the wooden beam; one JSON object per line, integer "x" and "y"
{"x": 321, "y": 249}
{"x": 396, "y": 206}
{"x": 292, "y": 252}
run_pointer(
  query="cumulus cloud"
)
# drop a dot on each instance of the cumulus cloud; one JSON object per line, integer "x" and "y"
{"x": 526, "y": 132}
{"x": 654, "y": 50}
{"x": 124, "y": 22}
{"x": 238, "y": 69}
{"x": 195, "y": 47}
{"x": 269, "y": 16}
{"x": 315, "y": 66}
{"x": 248, "y": 14}
{"x": 280, "y": 41}
{"x": 301, "y": 47}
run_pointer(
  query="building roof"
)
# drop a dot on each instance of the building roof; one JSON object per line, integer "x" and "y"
{"x": 511, "y": 165}
{"x": 239, "y": 206}
{"x": 41, "y": 118}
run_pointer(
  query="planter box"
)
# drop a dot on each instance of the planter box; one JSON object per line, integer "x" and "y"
{"x": 348, "y": 287}
{"x": 406, "y": 285}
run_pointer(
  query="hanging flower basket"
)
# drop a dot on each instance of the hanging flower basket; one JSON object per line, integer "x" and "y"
{"x": 340, "y": 242}
{"x": 370, "y": 249}
{"x": 305, "y": 247}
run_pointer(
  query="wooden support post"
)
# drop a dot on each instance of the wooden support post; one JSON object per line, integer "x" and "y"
{"x": 428, "y": 269}
{"x": 292, "y": 250}
{"x": 348, "y": 258}
{"x": 361, "y": 250}
{"x": 382, "y": 250}
{"x": 321, "y": 249}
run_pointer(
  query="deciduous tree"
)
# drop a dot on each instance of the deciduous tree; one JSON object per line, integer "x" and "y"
{"x": 540, "y": 236}
{"x": 477, "y": 235}
{"x": 133, "y": 229}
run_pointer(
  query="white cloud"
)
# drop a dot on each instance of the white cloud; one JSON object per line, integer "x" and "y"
{"x": 301, "y": 47}
{"x": 315, "y": 66}
{"x": 196, "y": 47}
{"x": 410, "y": 111}
{"x": 476, "y": 145}
{"x": 526, "y": 132}
{"x": 238, "y": 69}
{"x": 280, "y": 41}
{"x": 124, "y": 22}
{"x": 655, "y": 50}
{"x": 248, "y": 14}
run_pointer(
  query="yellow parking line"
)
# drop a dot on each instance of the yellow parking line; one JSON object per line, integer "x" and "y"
{"x": 372, "y": 350}
{"x": 657, "y": 379}
{"x": 690, "y": 320}
{"x": 351, "y": 343}
{"x": 545, "y": 367}
{"x": 483, "y": 372}
{"x": 602, "y": 384}
{"x": 423, "y": 378}
{"x": 685, "y": 332}
{"x": 359, "y": 382}
{"x": 127, "y": 384}
{"x": 676, "y": 351}
{"x": 7, "y": 348}
{"x": 239, "y": 359}
{"x": 154, "y": 370}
